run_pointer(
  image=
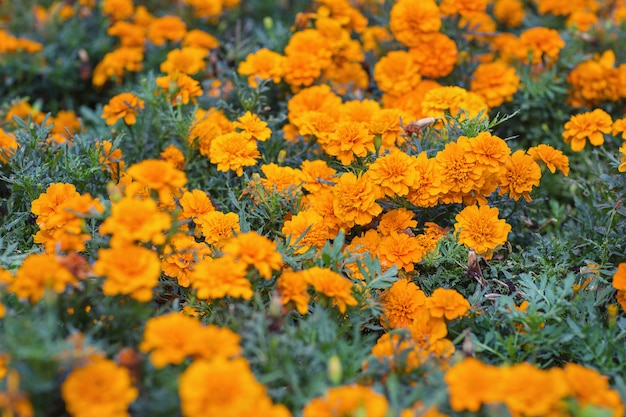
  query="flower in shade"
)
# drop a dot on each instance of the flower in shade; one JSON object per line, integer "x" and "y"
{"x": 400, "y": 304}
{"x": 479, "y": 228}
{"x": 101, "y": 387}
{"x": 553, "y": 158}
{"x": 348, "y": 400}
{"x": 519, "y": 175}
{"x": 215, "y": 278}
{"x": 122, "y": 106}
{"x": 332, "y": 285}
{"x": 590, "y": 125}
{"x": 253, "y": 249}
{"x": 128, "y": 269}
{"x": 447, "y": 302}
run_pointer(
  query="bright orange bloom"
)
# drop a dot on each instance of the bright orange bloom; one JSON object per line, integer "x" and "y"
{"x": 394, "y": 172}
{"x": 396, "y": 73}
{"x": 133, "y": 220}
{"x": 174, "y": 156}
{"x": 591, "y": 125}
{"x": 129, "y": 269}
{"x": 447, "y": 302}
{"x": 401, "y": 303}
{"x": 397, "y": 220}
{"x": 188, "y": 60}
{"x": 435, "y": 56}
{"x": 113, "y": 160}
{"x": 38, "y": 273}
{"x": 115, "y": 63}
{"x": 480, "y": 229}
{"x": 234, "y": 151}
{"x": 471, "y": 384}
{"x": 8, "y": 146}
{"x": 221, "y": 277}
{"x": 122, "y": 106}
{"x": 252, "y": 249}
{"x": 553, "y": 158}
{"x": 355, "y": 199}
{"x": 159, "y": 176}
{"x": 262, "y": 65}
{"x": 180, "y": 257}
{"x": 200, "y": 39}
{"x": 195, "y": 203}
{"x": 317, "y": 175}
{"x": 252, "y": 126}
{"x": 180, "y": 87}
{"x": 495, "y": 82}
{"x": 332, "y": 285}
{"x": 131, "y": 35}
{"x": 401, "y": 250}
{"x": 293, "y": 288}
{"x": 619, "y": 277}
{"x": 539, "y": 44}
{"x": 218, "y": 227}
{"x": 348, "y": 400}
{"x": 591, "y": 388}
{"x": 301, "y": 69}
{"x": 509, "y": 12}
{"x": 519, "y": 175}
{"x": 305, "y": 230}
{"x": 118, "y": 9}
{"x": 410, "y": 20}
{"x": 349, "y": 140}
{"x": 164, "y": 28}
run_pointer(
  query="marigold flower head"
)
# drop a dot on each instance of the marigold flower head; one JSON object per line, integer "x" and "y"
{"x": 305, "y": 230}
{"x": 355, "y": 199}
{"x": 200, "y": 39}
{"x": 410, "y": 20}
{"x": 312, "y": 42}
{"x": 130, "y": 34}
{"x": 488, "y": 151}
{"x": 111, "y": 159}
{"x": 171, "y": 28}
{"x": 128, "y": 269}
{"x": 591, "y": 388}
{"x": 347, "y": 78}
{"x": 397, "y": 220}
{"x": 349, "y": 140}
{"x": 49, "y": 205}
{"x": 8, "y": 146}
{"x": 262, "y": 65}
{"x": 317, "y": 175}
{"x": 65, "y": 125}
{"x": 234, "y": 151}
{"x": 133, "y": 220}
{"x": 479, "y": 228}
{"x": 540, "y": 43}
{"x": 452, "y": 99}
{"x": 396, "y": 73}
{"x": 218, "y": 227}
{"x": 316, "y": 98}
{"x": 495, "y": 82}
{"x": 180, "y": 88}
{"x": 301, "y": 69}
{"x": 401, "y": 250}
{"x": 462, "y": 7}
{"x": 180, "y": 256}
{"x": 227, "y": 388}
{"x": 619, "y": 126}
{"x": 115, "y": 63}
{"x": 460, "y": 174}
{"x": 251, "y": 125}
{"x": 553, "y": 158}
{"x": 425, "y": 192}
{"x": 195, "y": 203}
{"x": 293, "y": 288}
{"x": 284, "y": 180}
{"x": 332, "y": 285}
{"x": 253, "y": 249}
{"x": 158, "y": 175}
{"x": 519, "y": 175}
{"x": 510, "y": 13}
{"x": 215, "y": 278}
{"x": 122, "y": 106}
{"x": 348, "y": 400}
{"x": 426, "y": 329}
{"x": 619, "y": 277}
{"x": 394, "y": 172}
{"x": 206, "y": 128}
{"x": 590, "y": 125}
{"x": 447, "y": 302}
{"x": 594, "y": 81}
{"x": 188, "y": 60}
{"x": 471, "y": 384}
{"x": 100, "y": 385}
{"x": 400, "y": 303}
{"x": 118, "y": 9}
{"x": 38, "y": 273}
{"x": 435, "y": 56}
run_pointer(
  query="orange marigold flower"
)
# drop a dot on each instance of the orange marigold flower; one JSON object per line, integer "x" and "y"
{"x": 355, "y": 199}
{"x": 180, "y": 88}
{"x": 252, "y": 126}
{"x": 593, "y": 81}
{"x": 99, "y": 385}
{"x": 317, "y": 175}
{"x": 471, "y": 384}
{"x": 38, "y": 273}
{"x": 619, "y": 126}
{"x": 301, "y": 69}
{"x": 359, "y": 110}
{"x": 479, "y": 228}
{"x": 284, "y": 180}
{"x": 452, "y": 99}
{"x": 316, "y": 98}
{"x": 495, "y": 82}
{"x": 305, "y": 230}
{"x": 206, "y": 9}
{"x": 410, "y": 20}
{"x": 394, "y": 172}
{"x": 582, "y": 20}
{"x": 206, "y": 128}
{"x": 113, "y": 160}
{"x": 510, "y": 13}
{"x": 221, "y": 277}
{"x": 518, "y": 175}
{"x": 164, "y": 28}
{"x": 50, "y": 205}
{"x": 181, "y": 255}
{"x": 590, "y": 125}
{"x": 188, "y": 60}
{"x": 130, "y": 34}
{"x": 348, "y": 400}
{"x": 539, "y": 44}
{"x": 622, "y": 165}
{"x": 488, "y": 151}
{"x": 460, "y": 174}
{"x": 400, "y": 304}
{"x": 293, "y": 288}
{"x": 332, "y": 285}
{"x": 262, "y": 65}
{"x": 233, "y": 151}
{"x": 129, "y": 269}
{"x": 200, "y": 39}
{"x": 447, "y": 302}
{"x": 221, "y": 387}
{"x": 253, "y": 249}
{"x": 425, "y": 192}
{"x": 115, "y": 63}
{"x": 462, "y": 7}
{"x": 396, "y": 73}
{"x": 174, "y": 156}
{"x": 65, "y": 125}
{"x": 159, "y": 176}
{"x": 312, "y": 42}
{"x": 553, "y": 158}
{"x": 218, "y": 227}
{"x": 619, "y": 277}
{"x": 349, "y": 139}
{"x": 8, "y": 146}
{"x": 194, "y": 204}
{"x": 591, "y": 388}
{"x": 401, "y": 250}
{"x": 397, "y": 220}
{"x": 122, "y": 106}
{"x": 118, "y": 9}
{"x": 435, "y": 56}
